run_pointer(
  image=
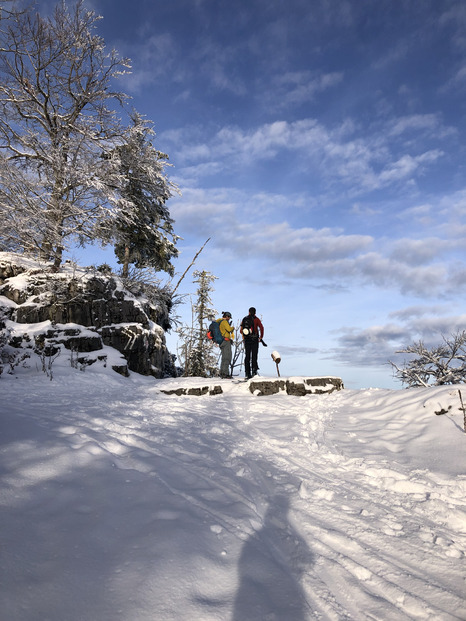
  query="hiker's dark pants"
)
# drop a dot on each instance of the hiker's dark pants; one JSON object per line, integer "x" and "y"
{"x": 251, "y": 348}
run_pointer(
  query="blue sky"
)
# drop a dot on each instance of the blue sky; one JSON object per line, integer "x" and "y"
{"x": 321, "y": 145}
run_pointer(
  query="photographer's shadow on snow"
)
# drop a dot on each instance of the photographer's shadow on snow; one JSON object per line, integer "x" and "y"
{"x": 271, "y": 565}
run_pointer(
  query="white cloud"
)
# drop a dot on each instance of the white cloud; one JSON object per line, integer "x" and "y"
{"x": 420, "y": 310}
{"x": 418, "y": 251}
{"x": 293, "y": 351}
{"x": 307, "y": 245}
{"x": 393, "y": 56}
{"x": 294, "y": 88}
{"x": 423, "y": 213}
{"x": 215, "y": 62}
{"x": 341, "y": 158}
{"x": 406, "y": 166}
{"x": 245, "y": 225}
{"x": 455, "y": 16}
{"x": 156, "y": 55}
{"x": 453, "y": 206}
{"x": 370, "y": 346}
{"x": 415, "y": 122}
{"x": 376, "y": 345}
{"x": 460, "y": 76}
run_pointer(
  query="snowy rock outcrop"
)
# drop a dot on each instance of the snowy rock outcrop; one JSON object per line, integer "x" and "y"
{"x": 296, "y": 386}
{"x": 85, "y": 311}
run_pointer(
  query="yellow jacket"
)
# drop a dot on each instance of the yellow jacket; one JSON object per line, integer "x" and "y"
{"x": 226, "y": 330}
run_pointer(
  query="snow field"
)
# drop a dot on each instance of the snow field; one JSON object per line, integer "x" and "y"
{"x": 120, "y": 502}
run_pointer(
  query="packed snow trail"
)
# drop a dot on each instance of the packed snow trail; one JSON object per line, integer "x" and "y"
{"x": 120, "y": 502}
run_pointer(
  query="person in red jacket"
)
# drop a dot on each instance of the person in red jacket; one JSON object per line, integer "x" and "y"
{"x": 252, "y": 331}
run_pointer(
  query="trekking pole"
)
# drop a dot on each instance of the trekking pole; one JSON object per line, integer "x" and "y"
{"x": 276, "y": 358}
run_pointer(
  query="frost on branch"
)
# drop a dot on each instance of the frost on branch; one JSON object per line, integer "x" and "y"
{"x": 442, "y": 364}
{"x": 141, "y": 227}
{"x": 56, "y": 120}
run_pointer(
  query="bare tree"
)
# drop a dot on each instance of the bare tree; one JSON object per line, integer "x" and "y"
{"x": 6, "y": 9}
{"x": 190, "y": 265}
{"x": 55, "y": 123}
{"x": 238, "y": 350}
{"x": 442, "y": 364}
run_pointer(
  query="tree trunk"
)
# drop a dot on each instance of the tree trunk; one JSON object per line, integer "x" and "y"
{"x": 58, "y": 255}
{"x": 125, "y": 269}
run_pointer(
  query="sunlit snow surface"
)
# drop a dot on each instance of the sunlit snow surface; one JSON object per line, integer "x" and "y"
{"x": 119, "y": 502}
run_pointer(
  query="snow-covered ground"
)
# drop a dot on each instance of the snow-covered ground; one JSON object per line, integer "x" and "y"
{"x": 119, "y": 502}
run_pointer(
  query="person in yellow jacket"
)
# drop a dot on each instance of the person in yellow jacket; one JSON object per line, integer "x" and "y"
{"x": 227, "y": 331}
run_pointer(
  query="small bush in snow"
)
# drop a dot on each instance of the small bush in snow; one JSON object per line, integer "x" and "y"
{"x": 48, "y": 353}
{"x": 104, "y": 269}
{"x": 10, "y": 356}
{"x": 442, "y": 364}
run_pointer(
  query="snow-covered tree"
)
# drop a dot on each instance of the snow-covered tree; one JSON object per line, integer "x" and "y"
{"x": 55, "y": 122}
{"x": 142, "y": 228}
{"x": 198, "y": 355}
{"x": 442, "y": 364}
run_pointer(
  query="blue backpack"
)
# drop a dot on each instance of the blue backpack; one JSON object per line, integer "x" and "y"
{"x": 214, "y": 333}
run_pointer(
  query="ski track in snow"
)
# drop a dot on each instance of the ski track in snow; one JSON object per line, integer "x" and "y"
{"x": 227, "y": 507}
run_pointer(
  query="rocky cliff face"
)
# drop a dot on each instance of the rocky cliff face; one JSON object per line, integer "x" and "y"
{"x": 84, "y": 311}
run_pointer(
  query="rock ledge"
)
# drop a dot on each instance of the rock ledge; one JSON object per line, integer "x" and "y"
{"x": 296, "y": 386}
